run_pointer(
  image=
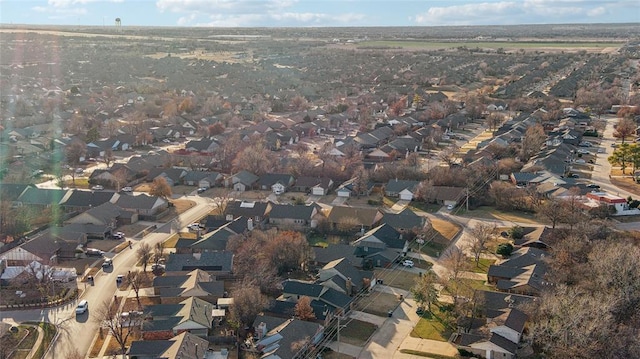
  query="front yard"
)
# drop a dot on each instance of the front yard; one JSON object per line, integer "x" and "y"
{"x": 434, "y": 325}
{"x": 492, "y": 213}
{"x": 378, "y": 303}
{"x": 391, "y": 278}
{"x": 357, "y": 332}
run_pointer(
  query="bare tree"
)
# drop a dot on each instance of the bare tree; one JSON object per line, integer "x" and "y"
{"x": 160, "y": 188}
{"x": 551, "y": 210}
{"x": 303, "y": 310}
{"x": 532, "y": 142}
{"x": 121, "y": 327}
{"x": 247, "y": 303}
{"x": 144, "y": 253}
{"x": 625, "y": 127}
{"x": 456, "y": 262}
{"x": 135, "y": 279}
{"x": 449, "y": 155}
{"x": 481, "y": 234}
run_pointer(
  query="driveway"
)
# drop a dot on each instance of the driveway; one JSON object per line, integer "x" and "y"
{"x": 399, "y": 206}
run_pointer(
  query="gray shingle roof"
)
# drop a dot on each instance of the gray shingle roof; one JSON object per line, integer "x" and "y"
{"x": 288, "y": 211}
{"x": 208, "y": 261}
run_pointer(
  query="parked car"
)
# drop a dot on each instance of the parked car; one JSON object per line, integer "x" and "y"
{"x": 127, "y": 189}
{"x": 107, "y": 263}
{"x": 157, "y": 266}
{"x": 97, "y": 187}
{"x": 450, "y": 207}
{"x": 82, "y": 307}
{"x": 593, "y": 185}
{"x": 202, "y": 189}
{"x": 195, "y": 226}
{"x": 79, "y": 170}
{"x": 93, "y": 252}
{"x": 118, "y": 235}
{"x": 119, "y": 279}
{"x": 407, "y": 263}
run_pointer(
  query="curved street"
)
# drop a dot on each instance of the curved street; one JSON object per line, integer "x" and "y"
{"x": 75, "y": 335}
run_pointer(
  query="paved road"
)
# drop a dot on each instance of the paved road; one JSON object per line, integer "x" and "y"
{"x": 76, "y": 334}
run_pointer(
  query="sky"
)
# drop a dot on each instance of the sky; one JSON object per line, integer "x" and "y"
{"x": 315, "y": 13}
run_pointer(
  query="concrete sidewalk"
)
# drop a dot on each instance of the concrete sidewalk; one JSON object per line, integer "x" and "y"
{"x": 346, "y": 349}
{"x": 36, "y": 345}
{"x": 366, "y": 317}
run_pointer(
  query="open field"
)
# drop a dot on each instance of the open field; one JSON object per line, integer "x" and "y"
{"x": 492, "y": 213}
{"x": 595, "y": 46}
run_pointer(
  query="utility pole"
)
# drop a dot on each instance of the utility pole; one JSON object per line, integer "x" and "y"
{"x": 339, "y": 316}
{"x": 467, "y": 201}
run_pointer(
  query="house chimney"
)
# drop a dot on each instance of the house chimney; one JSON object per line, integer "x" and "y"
{"x": 349, "y": 285}
{"x": 262, "y": 330}
{"x": 250, "y": 224}
{"x": 197, "y": 256}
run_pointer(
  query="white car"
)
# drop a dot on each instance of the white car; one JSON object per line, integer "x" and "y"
{"x": 82, "y": 307}
{"x": 127, "y": 189}
{"x": 195, "y": 226}
{"x": 407, "y": 263}
{"x": 97, "y": 187}
{"x": 450, "y": 207}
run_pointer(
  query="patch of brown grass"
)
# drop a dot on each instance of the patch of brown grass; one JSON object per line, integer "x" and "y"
{"x": 447, "y": 229}
{"x": 182, "y": 205}
{"x": 627, "y": 184}
{"x": 378, "y": 303}
{"x": 113, "y": 348}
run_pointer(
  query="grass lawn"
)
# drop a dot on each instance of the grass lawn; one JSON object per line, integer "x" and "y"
{"x": 49, "y": 332}
{"x": 391, "y": 278}
{"x": 627, "y": 184}
{"x": 97, "y": 345}
{"x": 319, "y": 240}
{"x": 464, "y": 285}
{"x": 182, "y": 205}
{"x": 378, "y": 303}
{"x": 432, "y": 249}
{"x": 357, "y": 332}
{"x": 388, "y": 201}
{"x": 30, "y": 339}
{"x": 492, "y": 213}
{"x": 482, "y": 266}
{"x": 447, "y": 229}
{"x": 432, "y": 326}
{"x": 171, "y": 242}
{"x": 424, "y": 207}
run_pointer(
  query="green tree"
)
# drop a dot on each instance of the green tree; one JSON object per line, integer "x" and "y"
{"x": 621, "y": 156}
{"x": 505, "y": 249}
{"x": 92, "y": 135}
{"x": 424, "y": 290}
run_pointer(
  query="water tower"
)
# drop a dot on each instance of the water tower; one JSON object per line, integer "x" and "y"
{"x": 118, "y": 24}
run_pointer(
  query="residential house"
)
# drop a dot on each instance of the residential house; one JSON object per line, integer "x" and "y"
{"x": 277, "y": 183}
{"x": 204, "y": 146}
{"x": 345, "y": 278}
{"x": 116, "y": 176}
{"x": 317, "y": 186}
{"x": 444, "y": 195}
{"x": 216, "y": 263}
{"x": 144, "y": 205}
{"x": 404, "y": 189}
{"x": 241, "y": 181}
{"x": 182, "y": 346}
{"x": 191, "y": 315}
{"x": 522, "y": 273}
{"x": 80, "y": 200}
{"x": 205, "y": 179}
{"x": 406, "y": 220}
{"x": 173, "y": 176}
{"x": 350, "y": 188}
{"x": 216, "y": 239}
{"x": 360, "y": 218}
{"x": 403, "y": 146}
{"x": 498, "y": 337}
{"x": 174, "y": 288}
{"x": 381, "y": 246}
{"x": 292, "y": 216}
{"x": 536, "y": 237}
{"x": 257, "y": 212}
{"x": 294, "y": 289}
{"x": 324, "y": 255}
{"x": 40, "y": 197}
{"x": 285, "y": 338}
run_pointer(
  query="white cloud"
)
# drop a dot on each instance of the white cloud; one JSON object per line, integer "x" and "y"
{"x": 60, "y": 12}
{"x": 236, "y": 13}
{"x": 67, "y": 3}
{"x": 464, "y": 14}
{"x": 512, "y": 12}
{"x": 599, "y": 11}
